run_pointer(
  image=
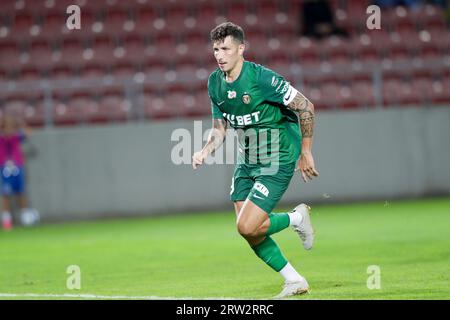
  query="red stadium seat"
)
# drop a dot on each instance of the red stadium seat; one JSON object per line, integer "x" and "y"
{"x": 41, "y": 56}
{"x": 155, "y": 107}
{"x": 21, "y": 26}
{"x": 433, "y": 17}
{"x": 114, "y": 108}
{"x": 92, "y": 71}
{"x": 306, "y": 51}
{"x": 144, "y": 22}
{"x": 156, "y": 79}
{"x": 89, "y": 110}
{"x": 401, "y": 19}
{"x": 117, "y": 24}
{"x": 104, "y": 52}
{"x": 72, "y": 54}
{"x": 175, "y": 20}
{"x": 202, "y": 103}
{"x": 9, "y": 59}
{"x": 277, "y": 21}
{"x": 397, "y": 92}
{"x": 77, "y": 110}
{"x": 363, "y": 93}
{"x": 183, "y": 104}
{"x": 65, "y": 113}
{"x": 54, "y": 27}
{"x": 15, "y": 106}
{"x": 190, "y": 78}
{"x": 135, "y": 50}
{"x": 440, "y": 93}
{"x": 34, "y": 115}
{"x": 161, "y": 52}
{"x": 125, "y": 69}
{"x": 334, "y": 48}
{"x": 314, "y": 93}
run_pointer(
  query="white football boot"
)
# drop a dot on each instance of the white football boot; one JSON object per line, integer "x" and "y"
{"x": 293, "y": 288}
{"x": 304, "y": 229}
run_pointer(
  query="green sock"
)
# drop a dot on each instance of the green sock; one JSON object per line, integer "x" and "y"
{"x": 278, "y": 222}
{"x": 269, "y": 252}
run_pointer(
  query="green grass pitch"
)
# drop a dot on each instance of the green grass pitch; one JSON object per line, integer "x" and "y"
{"x": 202, "y": 256}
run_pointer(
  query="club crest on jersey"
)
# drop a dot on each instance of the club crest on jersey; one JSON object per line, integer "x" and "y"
{"x": 231, "y": 94}
{"x": 246, "y": 98}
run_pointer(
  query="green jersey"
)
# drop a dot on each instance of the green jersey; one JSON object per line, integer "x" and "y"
{"x": 255, "y": 106}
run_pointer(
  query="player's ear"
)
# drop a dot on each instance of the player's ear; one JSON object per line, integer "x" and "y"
{"x": 241, "y": 48}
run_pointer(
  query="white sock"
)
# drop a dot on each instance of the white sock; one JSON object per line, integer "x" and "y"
{"x": 290, "y": 274}
{"x": 295, "y": 218}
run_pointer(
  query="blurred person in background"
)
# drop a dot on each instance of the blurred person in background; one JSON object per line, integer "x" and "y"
{"x": 317, "y": 20}
{"x": 12, "y": 133}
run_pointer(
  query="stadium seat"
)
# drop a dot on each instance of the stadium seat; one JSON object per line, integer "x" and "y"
{"x": 63, "y": 113}
{"x": 9, "y": 58}
{"x": 363, "y": 93}
{"x": 202, "y": 103}
{"x": 144, "y": 22}
{"x": 306, "y": 51}
{"x": 117, "y": 24}
{"x": 20, "y": 28}
{"x": 135, "y": 50}
{"x": 32, "y": 115}
{"x": 41, "y": 56}
{"x": 184, "y": 105}
{"x": 76, "y": 110}
{"x": 54, "y": 28}
{"x": 397, "y": 92}
{"x": 334, "y": 47}
{"x": 440, "y": 93}
{"x": 72, "y": 54}
{"x": 164, "y": 46}
{"x": 104, "y": 52}
{"x": 155, "y": 107}
{"x": 113, "y": 108}
{"x": 400, "y": 19}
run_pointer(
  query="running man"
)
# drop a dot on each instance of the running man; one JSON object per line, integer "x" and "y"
{"x": 262, "y": 107}
{"x": 12, "y": 133}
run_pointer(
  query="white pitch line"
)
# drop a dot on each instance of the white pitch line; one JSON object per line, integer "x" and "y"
{"x": 96, "y": 296}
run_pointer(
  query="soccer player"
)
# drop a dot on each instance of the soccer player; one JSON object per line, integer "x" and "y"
{"x": 12, "y": 134}
{"x": 262, "y": 107}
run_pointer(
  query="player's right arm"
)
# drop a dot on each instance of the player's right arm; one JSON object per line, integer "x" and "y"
{"x": 215, "y": 140}
{"x": 219, "y": 127}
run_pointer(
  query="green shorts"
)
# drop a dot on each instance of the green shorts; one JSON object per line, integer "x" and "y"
{"x": 264, "y": 186}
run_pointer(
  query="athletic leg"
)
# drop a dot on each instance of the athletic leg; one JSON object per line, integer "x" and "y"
{"x": 7, "y": 221}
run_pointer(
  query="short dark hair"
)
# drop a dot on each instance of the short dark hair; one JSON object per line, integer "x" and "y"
{"x": 225, "y": 29}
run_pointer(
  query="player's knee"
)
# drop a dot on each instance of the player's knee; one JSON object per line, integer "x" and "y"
{"x": 246, "y": 230}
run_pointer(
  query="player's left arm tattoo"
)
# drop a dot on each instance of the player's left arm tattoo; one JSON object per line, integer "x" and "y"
{"x": 305, "y": 110}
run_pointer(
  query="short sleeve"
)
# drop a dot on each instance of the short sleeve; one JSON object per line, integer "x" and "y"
{"x": 275, "y": 88}
{"x": 216, "y": 113}
{"x": 215, "y": 110}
